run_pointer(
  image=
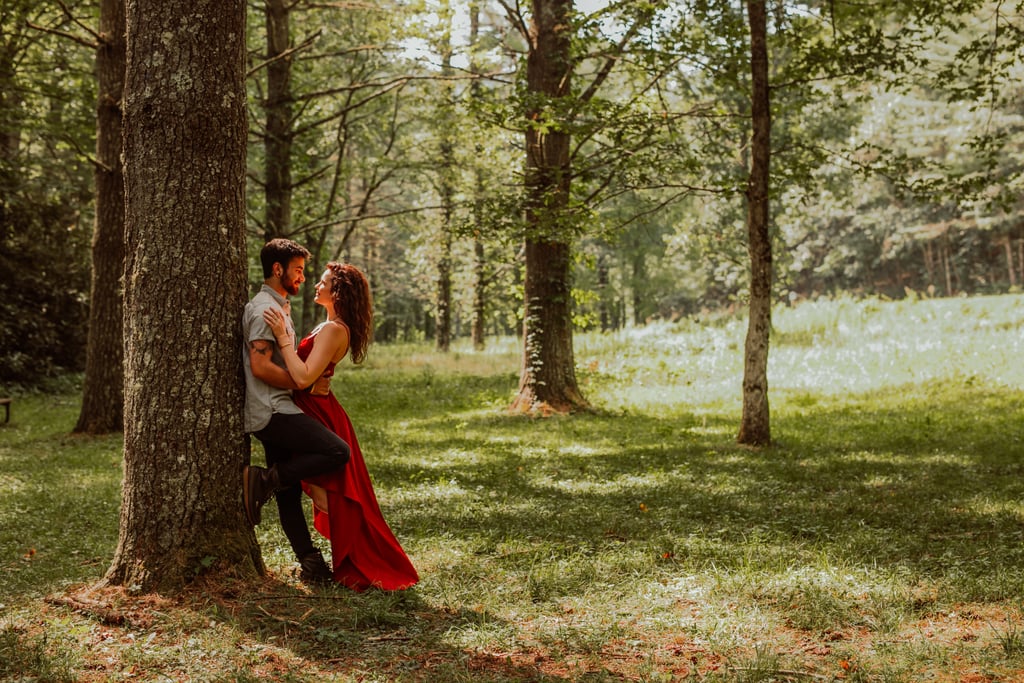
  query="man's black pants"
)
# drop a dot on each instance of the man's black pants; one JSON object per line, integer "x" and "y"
{"x": 302, "y": 448}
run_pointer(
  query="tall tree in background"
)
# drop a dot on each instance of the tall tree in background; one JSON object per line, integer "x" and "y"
{"x": 548, "y": 372}
{"x": 754, "y": 425}
{"x": 277, "y": 136}
{"x": 553, "y": 109}
{"x": 447, "y": 174}
{"x": 184, "y": 150}
{"x": 479, "y": 320}
{"x": 102, "y": 408}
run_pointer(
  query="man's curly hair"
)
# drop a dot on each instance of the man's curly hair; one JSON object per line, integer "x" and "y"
{"x": 280, "y": 250}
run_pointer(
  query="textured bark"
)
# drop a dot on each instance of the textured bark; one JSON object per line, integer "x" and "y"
{"x": 184, "y": 151}
{"x": 102, "y": 408}
{"x": 548, "y": 376}
{"x": 755, "y": 427}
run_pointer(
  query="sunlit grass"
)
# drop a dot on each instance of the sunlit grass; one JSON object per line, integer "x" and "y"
{"x": 883, "y": 529}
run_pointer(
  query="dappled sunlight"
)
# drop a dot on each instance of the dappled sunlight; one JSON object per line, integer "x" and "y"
{"x": 640, "y": 530}
{"x": 578, "y": 450}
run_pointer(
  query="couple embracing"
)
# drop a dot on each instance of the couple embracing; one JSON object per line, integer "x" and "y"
{"x": 309, "y": 442}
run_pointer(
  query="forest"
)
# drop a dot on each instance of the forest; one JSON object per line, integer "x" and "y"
{"x": 392, "y": 135}
{"x": 593, "y": 219}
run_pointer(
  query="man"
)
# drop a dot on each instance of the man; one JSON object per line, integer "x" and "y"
{"x": 297, "y": 446}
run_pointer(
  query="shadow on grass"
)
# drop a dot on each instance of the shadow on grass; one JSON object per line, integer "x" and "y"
{"x": 59, "y": 499}
{"x": 923, "y": 482}
{"x": 393, "y": 636}
{"x": 920, "y": 483}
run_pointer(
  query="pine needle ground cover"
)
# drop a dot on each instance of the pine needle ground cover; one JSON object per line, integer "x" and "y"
{"x": 878, "y": 539}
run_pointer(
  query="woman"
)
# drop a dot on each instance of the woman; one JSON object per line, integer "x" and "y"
{"x": 364, "y": 551}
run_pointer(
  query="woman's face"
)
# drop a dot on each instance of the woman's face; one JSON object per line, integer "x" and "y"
{"x": 323, "y": 288}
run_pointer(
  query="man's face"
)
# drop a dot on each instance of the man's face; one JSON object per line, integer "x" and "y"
{"x": 292, "y": 278}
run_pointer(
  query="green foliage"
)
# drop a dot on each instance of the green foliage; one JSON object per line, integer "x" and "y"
{"x": 896, "y": 160}
{"x": 46, "y": 115}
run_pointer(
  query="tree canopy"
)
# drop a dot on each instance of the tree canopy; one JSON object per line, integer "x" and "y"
{"x": 383, "y": 134}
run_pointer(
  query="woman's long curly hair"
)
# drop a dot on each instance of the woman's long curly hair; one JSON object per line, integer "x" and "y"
{"x": 353, "y": 303}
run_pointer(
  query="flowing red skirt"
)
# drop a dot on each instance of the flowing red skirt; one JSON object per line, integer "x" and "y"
{"x": 364, "y": 551}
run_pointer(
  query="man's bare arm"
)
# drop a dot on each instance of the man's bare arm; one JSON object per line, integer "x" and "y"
{"x": 263, "y": 367}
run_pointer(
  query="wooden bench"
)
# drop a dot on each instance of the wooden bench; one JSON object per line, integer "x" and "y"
{"x": 6, "y": 403}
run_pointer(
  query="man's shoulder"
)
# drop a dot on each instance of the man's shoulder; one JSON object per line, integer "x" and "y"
{"x": 252, "y": 315}
{"x": 260, "y": 302}
{"x": 262, "y": 298}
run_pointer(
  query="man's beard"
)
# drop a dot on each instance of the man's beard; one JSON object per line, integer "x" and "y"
{"x": 290, "y": 286}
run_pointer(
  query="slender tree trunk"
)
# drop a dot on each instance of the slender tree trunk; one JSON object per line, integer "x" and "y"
{"x": 184, "y": 151}
{"x": 1020, "y": 258}
{"x": 443, "y": 310}
{"x": 926, "y": 250}
{"x": 755, "y": 426}
{"x": 946, "y": 268}
{"x": 548, "y": 375}
{"x": 102, "y": 408}
{"x": 1009, "y": 261}
{"x": 479, "y": 331}
{"x": 637, "y": 281}
{"x": 278, "y": 110}
{"x": 479, "y": 253}
{"x": 899, "y": 276}
{"x": 279, "y": 122}
{"x": 604, "y": 292}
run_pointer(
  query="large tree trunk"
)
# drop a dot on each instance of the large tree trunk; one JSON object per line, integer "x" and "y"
{"x": 754, "y": 427}
{"x": 102, "y": 408}
{"x": 548, "y": 376}
{"x": 184, "y": 151}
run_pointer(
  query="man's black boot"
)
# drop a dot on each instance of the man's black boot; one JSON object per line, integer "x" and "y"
{"x": 313, "y": 570}
{"x": 258, "y": 485}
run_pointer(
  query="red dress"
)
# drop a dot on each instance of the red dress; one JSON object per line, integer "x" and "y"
{"x": 364, "y": 551}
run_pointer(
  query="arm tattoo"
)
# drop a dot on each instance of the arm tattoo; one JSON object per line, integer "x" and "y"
{"x": 261, "y": 346}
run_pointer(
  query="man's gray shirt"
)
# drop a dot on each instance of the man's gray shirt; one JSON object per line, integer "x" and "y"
{"x": 261, "y": 399}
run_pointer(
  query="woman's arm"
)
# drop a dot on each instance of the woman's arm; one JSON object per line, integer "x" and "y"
{"x": 330, "y": 342}
{"x": 260, "y": 352}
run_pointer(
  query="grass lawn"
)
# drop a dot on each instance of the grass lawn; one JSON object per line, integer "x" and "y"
{"x": 878, "y": 539}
